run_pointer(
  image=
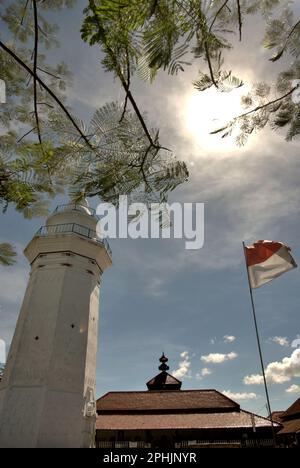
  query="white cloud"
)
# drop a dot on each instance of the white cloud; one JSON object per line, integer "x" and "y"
{"x": 293, "y": 389}
{"x": 183, "y": 366}
{"x": 281, "y": 340}
{"x": 229, "y": 338}
{"x": 253, "y": 379}
{"x": 240, "y": 396}
{"x": 296, "y": 342}
{"x": 218, "y": 358}
{"x": 155, "y": 287}
{"x": 278, "y": 372}
{"x": 205, "y": 371}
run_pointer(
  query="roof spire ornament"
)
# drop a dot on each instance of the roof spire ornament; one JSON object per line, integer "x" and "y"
{"x": 163, "y": 367}
{"x": 164, "y": 381}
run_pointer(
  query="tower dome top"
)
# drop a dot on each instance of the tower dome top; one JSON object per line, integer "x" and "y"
{"x": 83, "y": 206}
{"x": 74, "y": 213}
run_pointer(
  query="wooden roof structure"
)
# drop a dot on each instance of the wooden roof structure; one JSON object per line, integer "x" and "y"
{"x": 291, "y": 419}
{"x": 166, "y": 406}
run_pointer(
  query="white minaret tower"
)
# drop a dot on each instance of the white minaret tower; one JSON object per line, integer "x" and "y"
{"x": 47, "y": 395}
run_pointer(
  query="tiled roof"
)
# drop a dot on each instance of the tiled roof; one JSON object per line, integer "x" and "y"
{"x": 290, "y": 427}
{"x": 164, "y": 381}
{"x": 177, "y": 401}
{"x": 231, "y": 420}
{"x": 293, "y": 410}
{"x": 277, "y": 416}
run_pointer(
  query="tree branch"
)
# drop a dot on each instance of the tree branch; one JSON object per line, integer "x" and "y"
{"x": 36, "y": 44}
{"x": 45, "y": 104}
{"x": 128, "y": 86}
{"x": 240, "y": 18}
{"x": 48, "y": 73}
{"x": 49, "y": 91}
{"x": 25, "y": 11}
{"x": 211, "y": 71}
{"x": 258, "y": 108}
{"x": 26, "y": 134}
{"x": 122, "y": 79}
{"x": 279, "y": 54}
{"x": 217, "y": 14}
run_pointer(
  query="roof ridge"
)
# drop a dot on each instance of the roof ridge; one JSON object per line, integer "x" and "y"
{"x": 259, "y": 416}
{"x": 225, "y": 396}
{"x": 170, "y": 391}
{"x": 293, "y": 409}
{"x": 164, "y": 372}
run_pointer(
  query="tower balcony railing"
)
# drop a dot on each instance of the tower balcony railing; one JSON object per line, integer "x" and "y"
{"x": 75, "y": 207}
{"x": 76, "y": 229}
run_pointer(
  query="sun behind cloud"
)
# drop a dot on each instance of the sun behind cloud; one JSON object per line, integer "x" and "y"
{"x": 206, "y": 111}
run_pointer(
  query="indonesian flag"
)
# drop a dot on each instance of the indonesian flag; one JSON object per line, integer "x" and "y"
{"x": 266, "y": 260}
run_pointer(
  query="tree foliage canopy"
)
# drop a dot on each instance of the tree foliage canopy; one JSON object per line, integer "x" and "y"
{"x": 148, "y": 36}
{"x": 44, "y": 149}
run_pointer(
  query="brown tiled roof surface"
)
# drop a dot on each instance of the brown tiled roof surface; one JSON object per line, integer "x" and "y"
{"x": 164, "y": 380}
{"x": 178, "y": 400}
{"x": 293, "y": 410}
{"x": 233, "y": 420}
{"x": 277, "y": 416}
{"x": 290, "y": 427}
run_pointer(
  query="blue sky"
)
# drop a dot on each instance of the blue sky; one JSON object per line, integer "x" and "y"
{"x": 160, "y": 297}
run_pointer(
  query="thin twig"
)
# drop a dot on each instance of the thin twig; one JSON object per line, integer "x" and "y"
{"x": 49, "y": 91}
{"x": 256, "y": 109}
{"x": 24, "y": 14}
{"x": 45, "y": 104}
{"x": 181, "y": 5}
{"x": 128, "y": 86}
{"x": 48, "y": 73}
{"x": 286, "y": 41}
{"x": 36, "y": 45}
{"x": 217, "y": 14}
{"x": 42, "y": 31}
{"x": 240, "y": 18}
{"x": 26, "y": 134}
{"x": 211, "y": 71}
{"x": 270, "y": 103}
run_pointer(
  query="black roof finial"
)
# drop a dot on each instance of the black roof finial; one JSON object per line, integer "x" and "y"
{"x": 163, "y": 367}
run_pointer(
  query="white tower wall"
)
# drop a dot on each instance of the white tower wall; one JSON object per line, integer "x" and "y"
{"x": 47, "y": 395}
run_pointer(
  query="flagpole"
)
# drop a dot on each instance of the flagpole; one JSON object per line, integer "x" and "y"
{"x": 259, "y": 346}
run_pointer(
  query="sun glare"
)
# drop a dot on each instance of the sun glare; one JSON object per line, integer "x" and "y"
{"x": 204, "y": 112}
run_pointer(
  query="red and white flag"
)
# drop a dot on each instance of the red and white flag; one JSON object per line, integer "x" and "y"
{"x": 266, "y": 260}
